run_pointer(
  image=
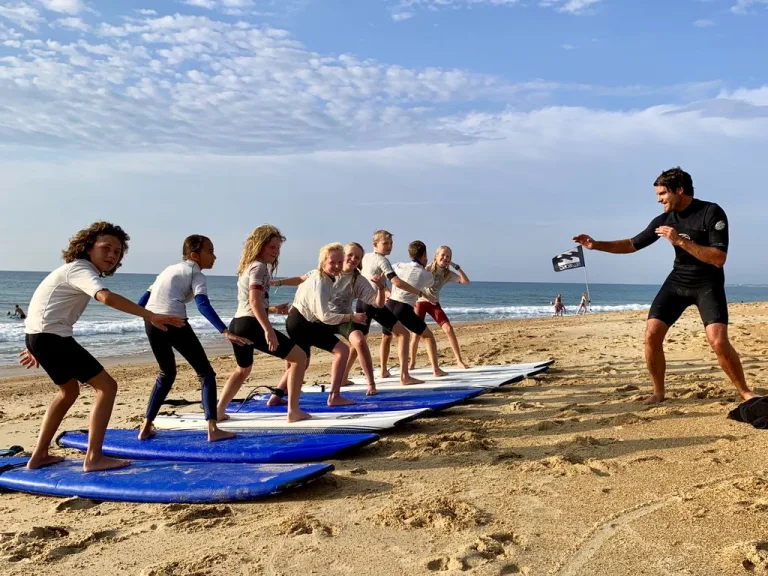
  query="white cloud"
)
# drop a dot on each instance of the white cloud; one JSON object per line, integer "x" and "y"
{"x": 146, "y": 12}
{"x": 744, "y": 6}
{"x": 703, "y": 23}
{"x": 405, "y": 9}
{"x": 65, "y": 6}
{"x": 21, "y": 14}
{"x": 73, "y": 23}
{"x": 567, "y": 46}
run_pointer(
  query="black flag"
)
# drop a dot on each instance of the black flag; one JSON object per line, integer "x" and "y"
{"x": 573, "y": 258}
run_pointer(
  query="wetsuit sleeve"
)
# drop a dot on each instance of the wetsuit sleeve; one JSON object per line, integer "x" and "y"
{"x": 648, "y": 236}
{"x": 386, "y": 268}
{"x": 716, "y": 223}
{"x": 205, "y": 308}
{"x": 144, "y": 299}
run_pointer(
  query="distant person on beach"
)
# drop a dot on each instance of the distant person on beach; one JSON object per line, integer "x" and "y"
{"x": 698, "y": 230}
{"x": 172, "y": 289}
{"x": 441, "y": 275}
{"x": 583, "y": 304}
{"x": 559, "y": 308}
{"x": 402, "y": 303}
{"x": 257, "y": 264}
{"x": 58, "y": 302}
{"x": 351, "y": 285}
{"x": 19, "y": 313}
{"x": 377, "y": 264}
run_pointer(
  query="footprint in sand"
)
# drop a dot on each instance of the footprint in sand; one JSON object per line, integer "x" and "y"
{"x": 304, "y": 524}
{"x": 18, "y": 546}
{"x": 484, "y": 550}
{"x": 196, "y": 518}
{"x": 75, "y": 504}
{"x": 439, "y": 513}
{"x": 80, "y": 545}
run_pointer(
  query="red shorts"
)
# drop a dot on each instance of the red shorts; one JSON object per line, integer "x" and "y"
{"x": 434, "y": 310}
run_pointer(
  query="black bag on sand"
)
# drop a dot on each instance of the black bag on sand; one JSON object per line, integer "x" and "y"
{"x": 754, "y": 411}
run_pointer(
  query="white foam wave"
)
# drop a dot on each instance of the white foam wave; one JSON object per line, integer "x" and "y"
{"x": 491, "y": 312}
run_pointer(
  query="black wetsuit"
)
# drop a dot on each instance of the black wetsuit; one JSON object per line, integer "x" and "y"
{"x": 691, "y": 280}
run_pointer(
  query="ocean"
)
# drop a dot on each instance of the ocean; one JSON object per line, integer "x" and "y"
{"x": 107, "y": 332}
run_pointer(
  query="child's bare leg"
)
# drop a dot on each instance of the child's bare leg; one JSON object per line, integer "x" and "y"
{"x": 297, "y": 361}
{"x": 360, "y": 345}
{"x": 340, "y": 357}
{"x": 65, "y": 398}
{"x": 231, "y": 388}
{"x": 106, "y": 390}
{"x": 386, "y": 343}
{"x": 414, "y": 351}
{"x": 454, "y": 342}
{"x": 282, "y": 385}
{"x": 432, "y": 352}
{"x": 350, "y": 363}
{"x": 403, "y": 341}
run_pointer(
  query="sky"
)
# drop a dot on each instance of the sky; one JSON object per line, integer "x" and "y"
{"x": 499, "y": 127}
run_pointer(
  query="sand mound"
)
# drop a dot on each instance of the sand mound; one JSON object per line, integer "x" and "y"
{"x": 440, "y": 513}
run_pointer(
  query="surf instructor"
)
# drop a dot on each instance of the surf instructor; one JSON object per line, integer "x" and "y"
{"x": 698, "y": 230}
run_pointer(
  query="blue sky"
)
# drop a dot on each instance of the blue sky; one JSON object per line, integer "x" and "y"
{"x": 499, "y": 127}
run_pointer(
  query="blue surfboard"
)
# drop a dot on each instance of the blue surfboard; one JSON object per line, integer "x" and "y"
{"x": 160, "y": 481}
{"x": 384, "y": 401}
{"x": 247, "y": 447}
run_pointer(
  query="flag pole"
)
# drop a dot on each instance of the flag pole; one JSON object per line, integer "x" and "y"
{"x": 586, "y": 281}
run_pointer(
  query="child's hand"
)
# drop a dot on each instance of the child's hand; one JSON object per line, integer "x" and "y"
{"x": 359, "y": 318}
{"x": 28, "y": 361}
{"x": 271, "y": 339}
{"x": 274, "y": 282}
{"x": 283, "y": 308}
{"x": 161, "y": 321}
{"x": 240, "y": 341}
{"x": 428, "y": 298}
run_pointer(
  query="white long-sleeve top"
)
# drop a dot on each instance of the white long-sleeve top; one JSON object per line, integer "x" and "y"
{"x": 313, "y": 300}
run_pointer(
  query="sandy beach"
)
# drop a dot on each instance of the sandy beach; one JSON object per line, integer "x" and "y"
{"x": 563, "y": 474}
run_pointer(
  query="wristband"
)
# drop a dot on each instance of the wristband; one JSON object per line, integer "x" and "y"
{"x": 349, "y": 327}
{"x": 457, "y": 267}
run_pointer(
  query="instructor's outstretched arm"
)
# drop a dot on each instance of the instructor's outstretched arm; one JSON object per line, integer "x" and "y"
{"x": 612, "y": 246}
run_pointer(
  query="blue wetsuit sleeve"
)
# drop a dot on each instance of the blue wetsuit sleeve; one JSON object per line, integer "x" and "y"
{"x": 144, "y": 299}
{"x": 205, "y": 308}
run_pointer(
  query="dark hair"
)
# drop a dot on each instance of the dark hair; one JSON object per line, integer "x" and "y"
{"x": 84, "y": 240}
{"x": 193, "y": 244}
{"x": 675, "y": 178}
{"x": 417, "y": 249}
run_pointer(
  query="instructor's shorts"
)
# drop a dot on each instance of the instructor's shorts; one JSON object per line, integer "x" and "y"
{"x": 673, "y": 299}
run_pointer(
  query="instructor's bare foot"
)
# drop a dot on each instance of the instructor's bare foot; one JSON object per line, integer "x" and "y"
{"x": 147, "y": 431}
{"x": 654, "y": 399}
{"x": 410, "y": 381}
{"x": 104, "y": 463}
{"x": 385, "y": 374}
{"x": 339, "y": 400}
{"x": 276, "y": 401}
{"x": 298, "y": 415}
{"x": 371, "y": 391}
{"x": 440, "y": 373}
{"x": 216, "y": 435}
{"x": 41, "y": 461}
{"x": 749, "y": 396}
{"x": 462, "y": 365}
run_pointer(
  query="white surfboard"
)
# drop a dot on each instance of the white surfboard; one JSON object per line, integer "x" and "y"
{"x": 444, "y": 383}
{"x": 459, "y": 377}
{"x": 334, "y": 422}
{"x": 491, "y": 370}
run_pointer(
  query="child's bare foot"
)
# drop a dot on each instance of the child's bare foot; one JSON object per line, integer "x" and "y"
{"x": 223, "y": 417}
{"x": 748, "y": 396}
{"x": 147, "y": 430}
{"x": 104, "y": 463}
{"x": 654, "y": 399}
{"x": 439, "y": 373}
{"x": 339, "y": 400}
{"x": 371, "y": 391}
{"x": 462, "y": 365}
{"x": 298, "y": 415}
{"x": 385, "y": 374}
{"x": 41, "y": 461}
{"x": 276, "y": 401}
{"x": 217, "y": 434}
{"x": 410, "y": 380}
{"x": 412, "y": 365}
{"x": 347, "y": 383}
